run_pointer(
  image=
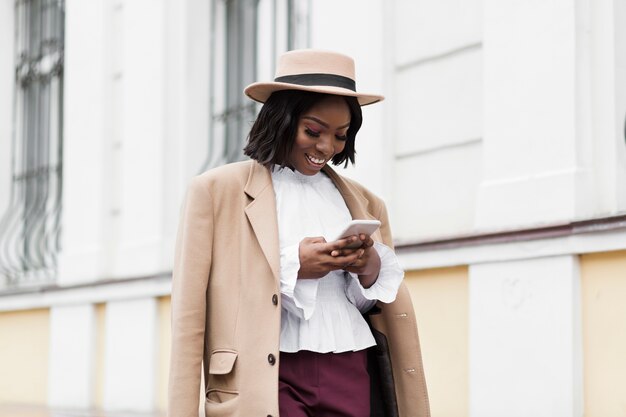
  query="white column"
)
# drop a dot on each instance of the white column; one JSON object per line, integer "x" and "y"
{"x": 132, "y": 87}
{"x": 618, "y": 36}
{"x": 84, "y": 133}
{"x": 71, "y": 372}
{"x": 137, "y": 158}
{"x": 525, "y": 341}
{"x": 130, "y": 364}
{"x": 186, "y": 104}
{"x": 536, "y": 150}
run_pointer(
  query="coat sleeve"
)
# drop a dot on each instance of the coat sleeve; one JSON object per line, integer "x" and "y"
{"x": 385, "y": 229}
{"x": 190, "y": 279}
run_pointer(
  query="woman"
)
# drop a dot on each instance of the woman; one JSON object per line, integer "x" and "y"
{"x": 262, "y": 296}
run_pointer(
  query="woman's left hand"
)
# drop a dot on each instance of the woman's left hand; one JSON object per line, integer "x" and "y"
{"x": 367, "y": 266}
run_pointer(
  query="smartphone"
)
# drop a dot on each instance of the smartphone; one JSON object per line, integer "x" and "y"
{"x": 356, "y": 227}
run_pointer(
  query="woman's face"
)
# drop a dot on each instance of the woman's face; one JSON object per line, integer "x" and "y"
{"x": 322, "y": 133}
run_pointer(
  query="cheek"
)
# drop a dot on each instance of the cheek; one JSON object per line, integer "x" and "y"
{"x": 340, "y": 146}
{"x": 302, "y": 141}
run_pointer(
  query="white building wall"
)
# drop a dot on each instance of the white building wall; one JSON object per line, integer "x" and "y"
{"x": 604, "y": 36}
{"x": 356, "y": 28}
{"x": 72, "y": 345}
{"x": 617, "y": 15}
{"x": 499, "y": 114}
{"x": 84, "y": 173}
{"x": 426, "y": 29}
{"x": 136, "y": 129}
{"x": 186, "y": 121}
{"x": 508, "y": 115}
{"x": 130, "y": 364}
{"x": 138, "y": 106}
{"x": 536, "y": 159}
{"x": 436, "y": 116}
{"x": 525, "y": 338}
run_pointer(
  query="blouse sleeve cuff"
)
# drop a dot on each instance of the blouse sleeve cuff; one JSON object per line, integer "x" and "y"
{"x": 300, "y": 294}
{"x": 389, "y": 278}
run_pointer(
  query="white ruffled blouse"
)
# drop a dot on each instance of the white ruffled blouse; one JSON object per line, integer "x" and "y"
{"x": 323, "y": 315}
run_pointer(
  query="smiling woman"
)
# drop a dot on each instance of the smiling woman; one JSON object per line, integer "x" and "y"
{"x": 285, "y": 322}
{"x": 288, "y": 113}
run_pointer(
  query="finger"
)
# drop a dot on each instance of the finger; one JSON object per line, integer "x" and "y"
{"x": 356, "y": 265}
{"x": 367, "y": 240}
{"x": 343, "y": 252}
{"x": 341, "y": 243}
{"x": 343, "y": 261}
{"x": 360, "y": 261}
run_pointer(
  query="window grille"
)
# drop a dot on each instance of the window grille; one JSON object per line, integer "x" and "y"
{"x": 233, "y": 66}
{"x": 241, "y": 31}
{"x": 30, "y": 226}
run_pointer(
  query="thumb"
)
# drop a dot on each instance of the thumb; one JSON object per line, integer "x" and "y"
{"x": 316, "y": 239}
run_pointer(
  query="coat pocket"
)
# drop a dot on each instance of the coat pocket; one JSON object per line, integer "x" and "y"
{"x": 222, "y": 361}
{"x": 221, "y": 403}
{"x": 222, "y": 395}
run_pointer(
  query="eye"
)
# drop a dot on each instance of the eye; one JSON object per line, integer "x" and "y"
{"x": 342, "y": 138}
{"x": 311, "y": 132}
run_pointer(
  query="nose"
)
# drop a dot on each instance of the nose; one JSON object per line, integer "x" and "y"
{"x": 324, "y": 145}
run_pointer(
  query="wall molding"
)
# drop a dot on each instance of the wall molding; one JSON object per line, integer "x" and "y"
{"x": 583, "y": 236}
{"x": 101, "y": 291}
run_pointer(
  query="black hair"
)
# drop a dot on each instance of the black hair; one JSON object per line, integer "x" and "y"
{"x": 274, "y": 131}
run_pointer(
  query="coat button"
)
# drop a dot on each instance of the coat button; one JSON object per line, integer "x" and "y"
{"x": 275, "y": 299}
{"x": 271, "y": 359}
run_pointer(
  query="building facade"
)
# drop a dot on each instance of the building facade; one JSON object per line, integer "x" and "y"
{"x": 500, "y": 151}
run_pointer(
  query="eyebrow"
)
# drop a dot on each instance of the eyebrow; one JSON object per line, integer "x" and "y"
{"x": 315, "y": 119}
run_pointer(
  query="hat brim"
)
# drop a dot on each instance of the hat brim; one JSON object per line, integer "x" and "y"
{"x": 261, "y": 91}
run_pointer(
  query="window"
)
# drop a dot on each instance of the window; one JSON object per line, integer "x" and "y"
{"x": 30, "y": 227}
{"x": 246, "y": 35}
{"x": 241, "y": 18}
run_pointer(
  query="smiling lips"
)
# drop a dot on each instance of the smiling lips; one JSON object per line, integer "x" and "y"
{"x": 314, "y": 160}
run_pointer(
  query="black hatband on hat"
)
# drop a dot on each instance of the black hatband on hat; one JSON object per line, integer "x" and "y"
{"x": 332, "y": 80}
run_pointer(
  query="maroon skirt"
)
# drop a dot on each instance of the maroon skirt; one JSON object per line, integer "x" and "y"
{"x": 324, "y": 384}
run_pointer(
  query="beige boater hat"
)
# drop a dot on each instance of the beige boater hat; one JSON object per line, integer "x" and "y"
{"x": 312, "y": 70}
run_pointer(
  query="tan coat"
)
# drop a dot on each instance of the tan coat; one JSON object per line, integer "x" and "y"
{"x": 226, "y": 298}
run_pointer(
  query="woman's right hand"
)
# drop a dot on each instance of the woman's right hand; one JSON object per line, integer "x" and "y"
{"x": 316, "y": 260}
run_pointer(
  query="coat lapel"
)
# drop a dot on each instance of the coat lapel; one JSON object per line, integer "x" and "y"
{"x": 261, "y": 213}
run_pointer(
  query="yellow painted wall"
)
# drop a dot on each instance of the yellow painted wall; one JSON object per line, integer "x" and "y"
{"x": 165, "y": 335}
{"x": 441, "y": 300}
{"x": 603, "y": 288}
{"x": 99, "y": 355}
{"x": 24, "y": 346}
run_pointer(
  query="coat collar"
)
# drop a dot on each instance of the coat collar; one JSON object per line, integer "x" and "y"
{"x": 261, "y": 211}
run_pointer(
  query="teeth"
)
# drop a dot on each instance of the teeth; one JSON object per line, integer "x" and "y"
{"x": 315, "y": 160}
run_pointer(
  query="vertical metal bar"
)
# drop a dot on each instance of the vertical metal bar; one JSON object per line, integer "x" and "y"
{"x": 274, "y": 20}
{"x": 210, "y": 140}
{"x": 290, "y": 24}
